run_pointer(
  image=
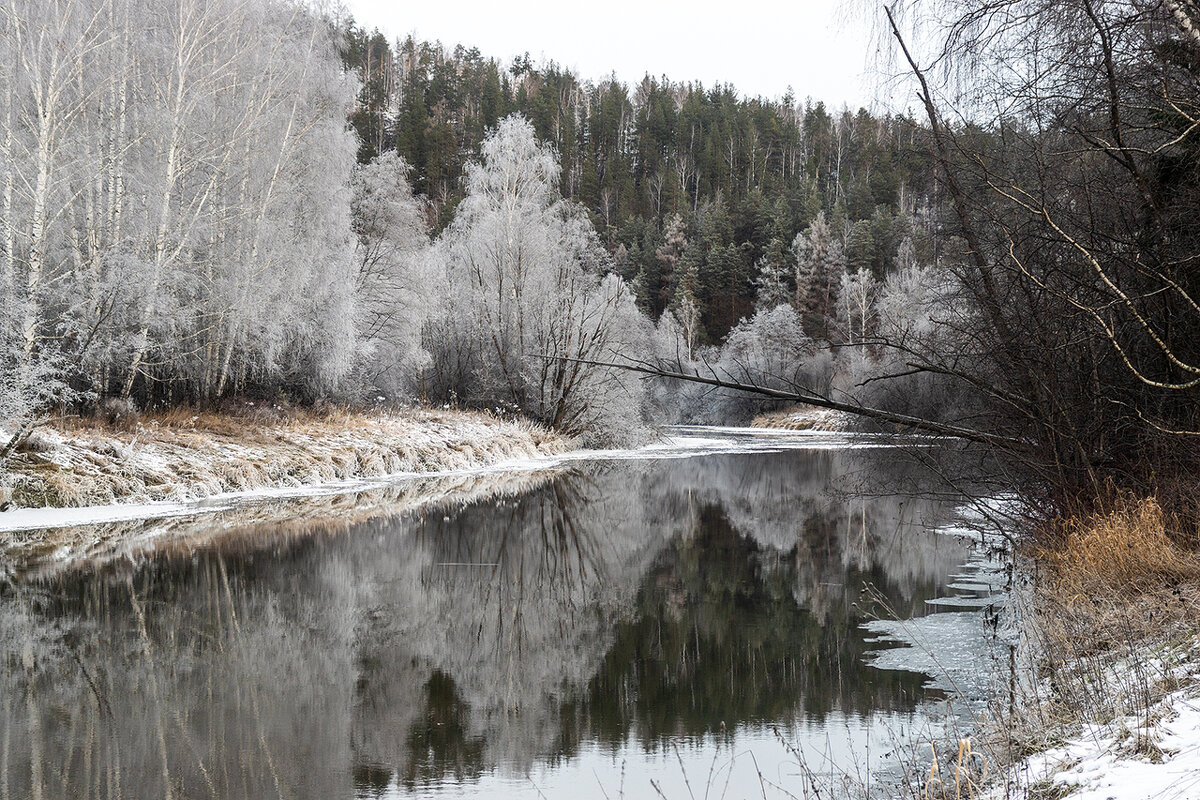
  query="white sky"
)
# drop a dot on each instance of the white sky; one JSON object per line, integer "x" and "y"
{"x": 759, "y": 46}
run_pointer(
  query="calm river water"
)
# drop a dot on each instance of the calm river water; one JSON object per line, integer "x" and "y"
{"x": 680, "y": 622}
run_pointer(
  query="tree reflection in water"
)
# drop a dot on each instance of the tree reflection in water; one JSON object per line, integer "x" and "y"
{"x": 636, "y": 603}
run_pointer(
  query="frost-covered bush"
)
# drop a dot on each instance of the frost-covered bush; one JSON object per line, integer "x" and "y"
{"x": 118, "y": 412}
{"x": 525, "y": 303}
{"x": 30, "y": 383}
{"x": 769, "y": 349}
{"x": 911, "y": 313}
{"x": 396, "y": 278}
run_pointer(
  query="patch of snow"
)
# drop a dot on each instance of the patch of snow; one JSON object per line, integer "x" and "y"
{"x": 1102, "y": 764}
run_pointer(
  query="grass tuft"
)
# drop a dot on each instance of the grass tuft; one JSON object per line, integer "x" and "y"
{"x": 1129, "y": 548}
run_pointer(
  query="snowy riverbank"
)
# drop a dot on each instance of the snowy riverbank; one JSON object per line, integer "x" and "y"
{"x": 1088, "y": 684}
{"x": 178, "y": 458}
{"x": 1152, "y": 752}
{"x": 1111, "y": 707}
{"x": 804, "y": 418}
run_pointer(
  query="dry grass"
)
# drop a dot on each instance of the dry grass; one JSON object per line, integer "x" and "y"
{"x": 802, "y": 418}
{"x": 183, "y": 454}
{"x": 1128, "y": 549}
{"x": 1110, "y": 620}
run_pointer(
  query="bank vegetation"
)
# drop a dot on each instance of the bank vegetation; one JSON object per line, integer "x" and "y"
{"x": 185, "y": 455}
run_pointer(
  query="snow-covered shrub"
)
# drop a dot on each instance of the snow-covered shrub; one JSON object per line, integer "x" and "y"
{"x": 396, "y": 278}
{"x": 769, "y": 349}
{"x": 118, "y": 412}
{"x": 525, "y": 304}
{"x": 912, "y": 306}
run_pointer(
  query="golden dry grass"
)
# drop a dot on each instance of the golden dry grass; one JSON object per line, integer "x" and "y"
{"x": 801, "y": 418}
{"x": 1130, "y": 549}
{"x": 1112, "y": 613}
{"x": 1115, "y": 582}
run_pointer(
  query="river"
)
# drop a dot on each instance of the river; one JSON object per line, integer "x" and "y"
{"x": 695, "y": 619}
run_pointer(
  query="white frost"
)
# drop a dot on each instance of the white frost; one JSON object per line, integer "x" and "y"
{"x": 1103, "y": 764}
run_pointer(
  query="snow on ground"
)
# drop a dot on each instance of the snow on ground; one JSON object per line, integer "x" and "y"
{"x": 473, "y": 450}
{"x": 1125, "y": 759}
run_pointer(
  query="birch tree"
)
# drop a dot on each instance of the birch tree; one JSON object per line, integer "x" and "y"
{"x": 46, "y": 50}
{"x": 527, "y": 269}
{"x": 176, "y": 200}
{"x": 856, "y": 305}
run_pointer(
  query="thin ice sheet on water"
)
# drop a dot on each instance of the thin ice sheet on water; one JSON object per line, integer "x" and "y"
{"x": 949, "y": 647}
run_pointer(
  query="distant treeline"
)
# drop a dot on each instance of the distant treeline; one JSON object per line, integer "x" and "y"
{"x": 744, "y": 175}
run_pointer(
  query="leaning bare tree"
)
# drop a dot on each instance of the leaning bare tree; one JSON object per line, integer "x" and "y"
{"x": 1067, "y": 136}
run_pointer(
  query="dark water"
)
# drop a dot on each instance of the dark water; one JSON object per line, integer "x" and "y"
{"x": 685, "y": 626}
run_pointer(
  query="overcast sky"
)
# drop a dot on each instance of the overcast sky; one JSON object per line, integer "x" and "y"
{"x": 760, "y": 47}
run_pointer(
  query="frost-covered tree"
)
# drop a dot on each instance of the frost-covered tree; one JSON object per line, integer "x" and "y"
{"x": 395, "y": 282}
{"x": 47, "y": 50}
{"x": 528, "y": 304}
{"x": 820, "y": 261}
{"x": 771, "y": 283}
{"x": 911, "y": 302}
{"x": 673, "y": 345}
{"x": 914, "y": 314}
{"x": 175, "y": 197}
{"x": 690, "y": 326}
{"x": 770, "y": 345}
{"x": 856, "y": 305}
{"x": 667, "y": 258}
{"x": 906, "y": 255}
{"x": 769, "y": 349}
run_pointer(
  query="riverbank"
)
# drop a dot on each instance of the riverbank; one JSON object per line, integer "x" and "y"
{"x": 182, "y": 456}
{"x": 804, "y": 418}
{"x": 247, "y": 523}
{"x": 1110, "y": 706}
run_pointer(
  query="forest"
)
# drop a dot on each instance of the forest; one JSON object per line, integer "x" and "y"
{"x": 1013, "y": 261}
{"x": 226, "y": 233}
{"x": 233, "y": 199}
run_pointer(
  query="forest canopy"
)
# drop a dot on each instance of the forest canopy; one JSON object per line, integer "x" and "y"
{"x": 222, "y": 198}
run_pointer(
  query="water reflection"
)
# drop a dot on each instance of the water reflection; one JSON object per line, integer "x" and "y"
{"x": 610, "y": 615}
